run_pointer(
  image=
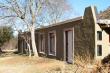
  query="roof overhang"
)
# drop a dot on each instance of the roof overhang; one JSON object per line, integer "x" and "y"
{"x": 104, "y": 23}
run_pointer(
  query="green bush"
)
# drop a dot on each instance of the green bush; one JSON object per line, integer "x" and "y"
{"x": 6, "y": 33}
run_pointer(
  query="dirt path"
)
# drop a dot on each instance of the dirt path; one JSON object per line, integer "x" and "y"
{"x": 24, "y": 64}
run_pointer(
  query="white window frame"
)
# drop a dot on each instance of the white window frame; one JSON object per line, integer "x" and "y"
{"x": 54, "y": 32}
{"x": 43, "y": 52}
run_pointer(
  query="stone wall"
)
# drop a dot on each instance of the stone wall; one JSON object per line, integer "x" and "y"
{"x": 85, "y": 35}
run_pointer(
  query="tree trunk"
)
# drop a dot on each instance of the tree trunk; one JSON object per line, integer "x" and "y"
{"x": 29, "y": 49}
{"x": 33, "y": 41}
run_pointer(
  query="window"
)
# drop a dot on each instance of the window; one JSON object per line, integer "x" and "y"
{"x": 99, "y": 35}
{"x": 41, "y": 43}
{"x": 99, "y": 50}
{"x": 52, "y": 43}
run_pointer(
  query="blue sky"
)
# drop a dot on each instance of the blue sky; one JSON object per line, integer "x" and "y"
{"x": 78, "y": 6}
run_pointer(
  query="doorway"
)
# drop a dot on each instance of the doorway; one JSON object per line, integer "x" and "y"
{"x": 69, "y": 45}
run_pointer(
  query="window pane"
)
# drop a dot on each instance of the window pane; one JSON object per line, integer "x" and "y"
{"x": 99, "y": 50}
{"x": 99, "y": 35}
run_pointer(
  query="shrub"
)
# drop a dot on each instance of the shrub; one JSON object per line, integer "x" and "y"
{"x": 106, "y": 60}
{"x": 6, "y": 33}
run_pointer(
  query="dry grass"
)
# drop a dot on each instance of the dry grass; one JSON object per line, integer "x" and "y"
{"x": 24, "y": 64}
{"x": 87, "y": 65}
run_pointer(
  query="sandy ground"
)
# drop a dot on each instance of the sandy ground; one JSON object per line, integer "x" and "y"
{"x": 24, "y": 64}
{"x": 14, "y": 63}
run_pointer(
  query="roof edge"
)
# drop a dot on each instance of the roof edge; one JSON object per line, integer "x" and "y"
{"x": 103, "y": 21}
{"x": 62, "y": 22}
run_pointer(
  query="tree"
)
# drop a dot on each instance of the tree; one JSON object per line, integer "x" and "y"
{"x": 26, "y": 37}
{"x": 29, "y": 13}
{"x": 55, "y": 11}
{"x": 6, "y": 33}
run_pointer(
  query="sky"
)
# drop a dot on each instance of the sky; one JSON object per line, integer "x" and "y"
{"x": 78, "y": 6}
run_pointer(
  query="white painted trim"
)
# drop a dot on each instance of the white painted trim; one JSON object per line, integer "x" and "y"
{"x": 43, "y": 52}
{"x": 65, "y": 42}
{"x": 49, "y": 42}
{"x": 103, "y": 21}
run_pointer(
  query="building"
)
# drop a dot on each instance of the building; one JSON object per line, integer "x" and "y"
{"x": 86, "y": 35}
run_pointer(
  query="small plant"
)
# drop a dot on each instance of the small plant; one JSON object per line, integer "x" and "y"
{"x": 106, "y": 60}
{"x": 104, "y": 66}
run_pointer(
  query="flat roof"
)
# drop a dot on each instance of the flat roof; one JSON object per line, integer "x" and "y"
{"x": 62, "y": 22}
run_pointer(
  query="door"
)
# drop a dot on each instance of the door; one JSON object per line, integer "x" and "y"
{"x": 69, "y": 46}
{"x": 52, "y": 43}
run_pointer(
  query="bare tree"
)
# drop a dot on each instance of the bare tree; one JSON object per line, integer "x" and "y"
{"x": 55, "y": 11}
{"x": 26, "y": 37}
{"x": 29, "y": 14}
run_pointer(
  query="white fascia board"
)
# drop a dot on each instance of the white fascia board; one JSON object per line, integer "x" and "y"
{"x": 103, "y": 21}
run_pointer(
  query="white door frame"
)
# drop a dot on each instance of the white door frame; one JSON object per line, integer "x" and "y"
{"x": 65, "y": 42}
{"x": 49, "y": 53}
